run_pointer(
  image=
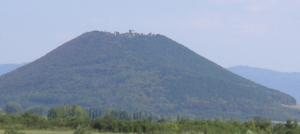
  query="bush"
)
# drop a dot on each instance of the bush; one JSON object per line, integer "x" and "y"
{"x": 81, "y": 129}
{"x": 13, "y": 130}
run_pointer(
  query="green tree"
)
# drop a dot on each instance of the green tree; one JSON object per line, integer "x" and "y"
{"x": 289, "y": 124}
{"x": 258, "y": 118}
{"x": 178, "y": 118}
{"x": 78, "y": 112}
{"x": 292, "y": 128}
{"x": 250, "y": 125}
{"x": 279, "y": 128}
{"x": 13, "y": 108}
{"x": 66, "y": 111}
{"x": 31, "y": 120}
{"x": 54, "y": 113}
{"x": 37, "y": 110}
{"x": 153, "y": 118}
{"x": 163, "y": 118}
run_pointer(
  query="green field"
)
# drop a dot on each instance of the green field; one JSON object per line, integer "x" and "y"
{"x": 50, "y": 132}
{"x": 43, "y": 132}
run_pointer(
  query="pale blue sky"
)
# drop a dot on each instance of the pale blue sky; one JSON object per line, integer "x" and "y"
{"x": 258, "y": 33}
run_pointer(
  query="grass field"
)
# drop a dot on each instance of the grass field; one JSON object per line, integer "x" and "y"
{"x": 51, "y": 132}
{"x": 44, "y": 132}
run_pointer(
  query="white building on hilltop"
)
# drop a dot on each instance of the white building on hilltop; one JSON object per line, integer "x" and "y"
{"x": 131, "y": 31}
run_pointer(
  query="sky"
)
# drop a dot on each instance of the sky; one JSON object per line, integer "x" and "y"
{"x": 256, "y": 33}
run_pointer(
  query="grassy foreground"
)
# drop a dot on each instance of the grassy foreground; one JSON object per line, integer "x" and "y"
{"x": 50, "y": 132}
{"x": 71, "y": 132}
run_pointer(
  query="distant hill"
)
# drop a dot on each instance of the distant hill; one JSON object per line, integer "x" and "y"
{"x": 150, "y": 73}
{"x": 5, "y": 68}
{"x": 285, "y": 82}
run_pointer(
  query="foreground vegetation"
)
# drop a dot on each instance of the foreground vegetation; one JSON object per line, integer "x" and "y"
{"x": 47, "y": 132}
{"x": 76, "y": 120}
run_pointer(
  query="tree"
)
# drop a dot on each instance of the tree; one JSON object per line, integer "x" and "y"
{"x": 258, "y": 118}
{"x": 250, "y": 124}
{"x": 178, "y": 118}
{"x": 30, "y": 120}
{"x": 66, "y": 111}
{"x": 78, "y": 112}
{"x": 13, "y": 108}
{"x": 163, "y": 118}
{"x": 54, "y": 113}
{"x": 37, "y": 110}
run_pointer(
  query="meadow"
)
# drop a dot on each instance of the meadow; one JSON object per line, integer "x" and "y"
{"x": 43, "y": 132}
{"x": 53, "y": 132}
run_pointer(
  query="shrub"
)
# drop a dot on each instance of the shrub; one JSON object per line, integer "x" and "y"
{"x": 13, "y": 130}
{"x": 81, "y": 129}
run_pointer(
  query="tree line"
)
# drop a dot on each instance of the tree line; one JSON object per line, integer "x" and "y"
{"x": 120, "y": 121}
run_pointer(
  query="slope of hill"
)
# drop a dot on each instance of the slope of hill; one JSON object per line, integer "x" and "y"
{"x": 285, "y": 82}
{"x": 5, "y": 68}
{"x": 150, "y": 73}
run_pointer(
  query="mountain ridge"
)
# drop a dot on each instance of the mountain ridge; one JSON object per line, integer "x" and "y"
{"x": 151, "y": 73}
{"x": 287, "y": 82}
{"x": 6, "y": 68}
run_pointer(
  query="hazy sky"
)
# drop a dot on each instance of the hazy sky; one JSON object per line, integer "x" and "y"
{"x": 257, "y": 33}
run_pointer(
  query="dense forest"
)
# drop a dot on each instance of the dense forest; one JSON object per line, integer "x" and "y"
{"x": 150, "y": 73}
{"x": 82, "y": 120}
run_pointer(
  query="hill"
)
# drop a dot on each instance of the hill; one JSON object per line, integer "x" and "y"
{"x": 285, "y": 82}
{"x": 5, "y": 68}
{"x": 149, "y": 73}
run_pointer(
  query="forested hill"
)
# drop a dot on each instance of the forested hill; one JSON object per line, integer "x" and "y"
{"x": 285, "y": 82}
{"x": 150, "y": 73}
{"x": 5, "y": 68}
